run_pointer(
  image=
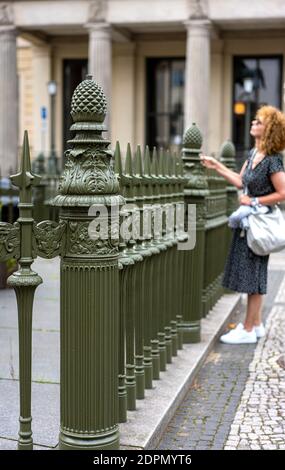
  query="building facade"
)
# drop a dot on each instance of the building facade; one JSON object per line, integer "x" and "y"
{"x": 163, "y": 64}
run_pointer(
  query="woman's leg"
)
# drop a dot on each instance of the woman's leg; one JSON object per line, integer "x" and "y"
{"x": 258, "y": 318}
{"x": 253, "y": 311}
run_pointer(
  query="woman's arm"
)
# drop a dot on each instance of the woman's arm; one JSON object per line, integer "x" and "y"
{"x": 278, "y": 181}
{"x": 231, "y": 176}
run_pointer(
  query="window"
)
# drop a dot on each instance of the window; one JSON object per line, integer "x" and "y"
{"x": 257, "y": 81}
{"x": 74, "y": 71}
{"x": 165, "y": 102}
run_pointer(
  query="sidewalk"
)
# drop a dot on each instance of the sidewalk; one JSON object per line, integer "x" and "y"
{"x": 237, "y": 400}
{"x": 182, "y": 429}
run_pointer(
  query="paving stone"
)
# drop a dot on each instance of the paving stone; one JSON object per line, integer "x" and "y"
{"x": 269, "y": 436}
{"x": 222, "y": 381}
{"x": 45, "y": 412}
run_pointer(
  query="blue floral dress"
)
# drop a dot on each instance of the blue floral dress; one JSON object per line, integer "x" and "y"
{"x": 244, "y": 270}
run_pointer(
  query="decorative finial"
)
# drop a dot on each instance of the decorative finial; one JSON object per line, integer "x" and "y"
{"x": 227, "y": 150}
{"x": 88, "y": 102}
{"x": 192, "y": 138}
{"x": 25, "y": 179}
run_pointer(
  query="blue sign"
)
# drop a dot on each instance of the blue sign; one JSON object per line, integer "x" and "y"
{"x": 43, "y": 112}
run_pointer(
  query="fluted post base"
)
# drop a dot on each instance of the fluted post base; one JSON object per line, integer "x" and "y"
{"x": 148, "y": 367}
{"x": 191, "y": 332}
{"x": 162, "y": 351}
{"x": 155, "y": 359}
{"x": 174, "y": 337}
{"x": 122, "y": 399}
{"x": 89, "y": 352}
{"x": 168, "y": 344}
{"x": 131, "y": 387}
{"x": 105, "y": 441}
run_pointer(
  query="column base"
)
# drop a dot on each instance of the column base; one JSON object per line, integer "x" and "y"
{"x": 25, "y": 445}
{"x": 168, "y": 343}
{"x": 155, "y": 359}
{"x": 105, "y": 441}
{"x": 122, "y": 397}
{"x": 131, "y": 387}
{"x": 191, "y": 332}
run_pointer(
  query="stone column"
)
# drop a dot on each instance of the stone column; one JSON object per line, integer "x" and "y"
{"x": 42, "y": 75}
{"x": 100, "y": 61}
{"x": 197, "y": 86}
{"x": 8, "y": 94}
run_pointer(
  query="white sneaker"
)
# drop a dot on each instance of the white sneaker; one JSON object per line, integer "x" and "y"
{"x": 260, "y": 330}
{"x": 239, "y": 336}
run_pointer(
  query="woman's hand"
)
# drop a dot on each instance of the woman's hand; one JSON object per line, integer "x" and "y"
{"x": 245, "y": 200}
{"x": 209, "y": 162}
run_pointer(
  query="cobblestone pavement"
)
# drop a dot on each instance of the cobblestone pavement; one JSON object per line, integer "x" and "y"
{"x": 260, "y": 419}
{"x": 236, "y": 400}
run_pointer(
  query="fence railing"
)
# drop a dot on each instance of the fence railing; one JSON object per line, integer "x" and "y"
{"x": 131, "y": 294}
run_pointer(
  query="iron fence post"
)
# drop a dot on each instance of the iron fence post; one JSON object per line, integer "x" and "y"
{"x": 25, "y": 281}
{"x": 195, "y": 192}
{"x": 89, "y": 281}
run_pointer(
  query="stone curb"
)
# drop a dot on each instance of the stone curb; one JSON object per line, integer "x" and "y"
{"x": 146, "y": 425}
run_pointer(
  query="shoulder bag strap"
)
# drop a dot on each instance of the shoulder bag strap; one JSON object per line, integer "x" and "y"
{"x": 251, "y": 157}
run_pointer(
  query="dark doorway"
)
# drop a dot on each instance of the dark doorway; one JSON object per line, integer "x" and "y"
{"x": 257, "y": 81}
{"x": 165, "y": 102}
{"x": 74, "y": 71}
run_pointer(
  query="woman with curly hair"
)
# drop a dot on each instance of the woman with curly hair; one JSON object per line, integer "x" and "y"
{"x": 263, "y": 174}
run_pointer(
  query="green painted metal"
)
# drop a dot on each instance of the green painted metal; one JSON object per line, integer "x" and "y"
{"x": 154, "y": 279}
{"x": 89, "y": 283}
{"x": 195, "y": 192}
{"x": 124, "y": 261}
{"x": 17, "y": 241}
{"x": 138, "y": 280}
{"x": 227, "y": 155}
{"x": 10, "y": 192}
{"x": 179, "y": 320}
{"x": 147, "y": 274}
{"x": 180, "y": 254}
{"x": 130, "y": 253}
{"x": 46, "y": 190}
{"x": 159, "y": 300}
{"x": 215, "y": 240}
{"x": 167, "y": 258}
{"x": 127, "y": 306}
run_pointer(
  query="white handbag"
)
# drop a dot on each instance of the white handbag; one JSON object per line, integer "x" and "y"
{"x": 266, "y": 232}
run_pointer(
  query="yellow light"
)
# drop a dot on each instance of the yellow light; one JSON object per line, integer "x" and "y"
{"x": 239, "y": 107}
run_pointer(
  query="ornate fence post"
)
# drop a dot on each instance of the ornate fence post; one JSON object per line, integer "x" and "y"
{"x": 227, "y": 156}
{"x": 215, "y": 240}
{"x": 195, "y": 192}
{"x": 17, "y": 241}
{"x": 124, "y": 262}
{"x": 180, "y": 254}
{"x": 89, "y": 281}
{"x": 156, "y": 248}
{"x": 147, "y": 273}
{"x": 39, "y": 193}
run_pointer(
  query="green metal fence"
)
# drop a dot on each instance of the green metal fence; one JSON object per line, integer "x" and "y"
{"x": 128, "y": 303}
{"x": 8, "y": 213}
{"x": 46, "y": 190}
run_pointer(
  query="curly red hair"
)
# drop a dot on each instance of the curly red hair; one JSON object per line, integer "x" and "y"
{"x": 273, "y": 139}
